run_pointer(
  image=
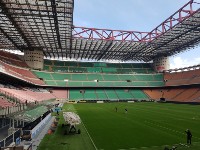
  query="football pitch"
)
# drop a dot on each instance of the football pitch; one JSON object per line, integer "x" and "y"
{"x": 150, "y": 126}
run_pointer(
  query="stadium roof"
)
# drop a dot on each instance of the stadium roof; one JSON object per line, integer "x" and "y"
{"x": 47, "y": 25}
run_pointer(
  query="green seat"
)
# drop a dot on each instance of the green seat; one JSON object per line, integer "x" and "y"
{"x": 44, "y": 75}
{"x": 74, "y": 84}
{"x": 50, "y": 82}
{"x": 110, "y": 77}
{"x": 71, "y": 63}
{"x": 59, "y": 63}
{"x": 114, "y": 65}
{"x": 60, "y": 69}
{"x": 105, "y": 84}
{"x": 94, "y": 70}
{"x": 75, "y": 95}
{"x": 79, "y": 77}
{"x": 89, "y": 83}
{"x": 109, "y": 70}
{"x": 61, "y": 83}
{"x": 90, "y": 95}
{"x": 146, "y": 65}
{"x": 156, "y": 83}
{"x": 121, "y": 84}
{"x": 141, "y": 71}
{"x": 111, "y": 94}
{"x": 124, "y": 94}
{"x": 138, "y": 94}
{"x": 77, "y": 69}
{"x": 126, "y": 77}
{"x": 125, "y": 71}
{"x": 137, "y": 65}
{"x": 59, "y": 76}
{"x": 136, "y": 83}
{"x": 158, "y": 77}
{"x": 144, "y": 77}
{"x": 92, "y": 77}
{"x": 100, "y": 64}
{"x": 101, "y": 95}
{"x": 85, "y": 64}
{"x": 46, "y": 68}
{"x": 47, "y": 62}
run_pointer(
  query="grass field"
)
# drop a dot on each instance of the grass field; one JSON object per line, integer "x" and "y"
{"x": 148, "y": 126}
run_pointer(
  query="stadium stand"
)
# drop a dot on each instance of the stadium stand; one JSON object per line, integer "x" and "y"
{"x": 60, "y": 94}
{"x": 189, "y": 94}
{"x": 12, "y": 59}
{"x": 182, "y": 77}
{"x": 106, "y": 80}
{"x": 26, "y": 95}
{"x": 5, "y": 103}
{"x": 107, "y": 94}
{"x": 95, "y": 67}
{"x": 20, "y": 73}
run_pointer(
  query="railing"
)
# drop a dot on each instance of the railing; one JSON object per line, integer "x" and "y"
{"x": 10, "y": 110}
{"x": 10, "y": 139}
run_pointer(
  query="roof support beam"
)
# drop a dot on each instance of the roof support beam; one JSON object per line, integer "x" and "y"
{"x": 6, "y": 12}
{"x": 53, "y": 5}
{"x": 105, "y": 49}
{"x": 10, "y": 39}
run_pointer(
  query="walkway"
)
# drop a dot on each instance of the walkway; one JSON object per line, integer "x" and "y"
{"x": 39, "y": 138}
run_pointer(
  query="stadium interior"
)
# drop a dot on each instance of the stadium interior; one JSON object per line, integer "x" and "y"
{"x": 67, "y": 64}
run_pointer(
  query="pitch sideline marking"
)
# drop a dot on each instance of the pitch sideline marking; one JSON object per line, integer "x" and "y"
{"x": 150, "y": 122}
{"x": 87, "y": 132}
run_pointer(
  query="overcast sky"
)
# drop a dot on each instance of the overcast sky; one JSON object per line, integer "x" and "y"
{"x": 136, "y": 15}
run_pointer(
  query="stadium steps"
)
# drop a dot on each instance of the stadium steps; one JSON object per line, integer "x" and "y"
{"x": 53, "y": 79}
{"x": 124, "y": 94}
{"x": 111, "y": 95}
{"x": 194, "y": 95}
{"x": 173, "y": 98}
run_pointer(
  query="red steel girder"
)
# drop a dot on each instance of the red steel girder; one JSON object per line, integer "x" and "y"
{"x": 107, "y": 34}
{"x": 178, "y": 17}
{"x": 136, "y": 36}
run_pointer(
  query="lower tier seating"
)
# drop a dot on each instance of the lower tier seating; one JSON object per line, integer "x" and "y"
{"x": 190, "y": 94}
{"x": 26, "y": 95}
{"x": 107, "y": 94}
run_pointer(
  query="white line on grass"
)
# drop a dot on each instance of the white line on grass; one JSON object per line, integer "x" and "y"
{"x": 87, "y": 132}
{"x": 168, "y": 128}
{"x": 89, "y": 136}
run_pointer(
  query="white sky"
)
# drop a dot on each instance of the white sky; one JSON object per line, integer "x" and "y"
{"x": 137, "y": 15}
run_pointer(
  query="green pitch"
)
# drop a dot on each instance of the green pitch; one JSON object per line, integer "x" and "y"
{"x": 148, "y": 126}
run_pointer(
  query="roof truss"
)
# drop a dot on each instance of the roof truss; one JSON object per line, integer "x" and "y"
{"x": 47, "y": 25}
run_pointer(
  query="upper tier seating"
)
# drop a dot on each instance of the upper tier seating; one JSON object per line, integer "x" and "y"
{"x": 21, "y": 73}
{"x": 12, "y": 59}
{"x": 107, "y": 94}
{"x": 97, "y": 67}
{"x": 182, "y": 78}
{"x": 100, "y": 80}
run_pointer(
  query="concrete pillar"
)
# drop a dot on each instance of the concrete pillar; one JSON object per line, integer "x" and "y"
{"x": 34, "y": 59}
{"x": 160, "y": 64}
{"x": 13, "y": 123}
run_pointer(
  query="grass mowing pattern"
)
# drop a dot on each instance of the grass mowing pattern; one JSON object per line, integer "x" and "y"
{"x": 145, "y": 124}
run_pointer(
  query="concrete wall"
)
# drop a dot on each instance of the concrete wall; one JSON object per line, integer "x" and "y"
{"x": 34, "y": 59}
{"x": 161, "y": 63}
